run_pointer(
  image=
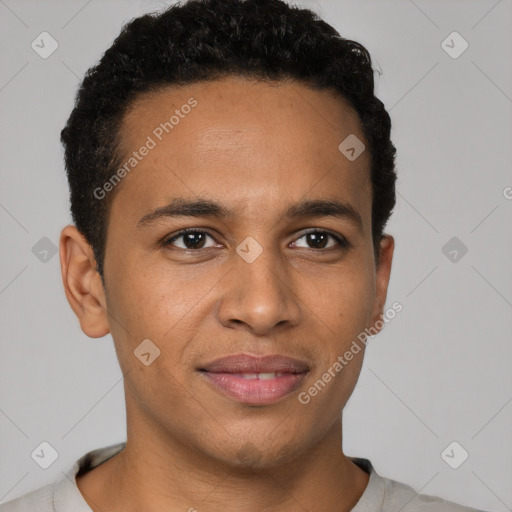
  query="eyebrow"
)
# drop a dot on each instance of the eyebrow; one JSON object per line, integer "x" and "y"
{"x": 180, "y": 207}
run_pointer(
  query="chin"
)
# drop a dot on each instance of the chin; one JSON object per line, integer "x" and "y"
{"x": 258, "y": 454}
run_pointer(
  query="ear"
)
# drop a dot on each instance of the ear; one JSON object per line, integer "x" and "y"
{"x": 383, "y": 272}
{"x": 82, "y": 282}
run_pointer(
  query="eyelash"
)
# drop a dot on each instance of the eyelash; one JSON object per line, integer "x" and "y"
{"x": 341, "y": 240}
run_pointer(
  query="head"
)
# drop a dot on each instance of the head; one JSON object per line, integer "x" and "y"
{"x": 227, "y": 118}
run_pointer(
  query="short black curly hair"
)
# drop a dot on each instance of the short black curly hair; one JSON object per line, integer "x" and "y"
{"x": 202, "y": 40}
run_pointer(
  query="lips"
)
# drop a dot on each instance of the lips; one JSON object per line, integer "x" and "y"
{"x": 243, "y": 363}
{"x": 255, "y": 380}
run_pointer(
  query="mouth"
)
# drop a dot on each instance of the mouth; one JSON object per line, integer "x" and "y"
{"x": 255, "y": 380}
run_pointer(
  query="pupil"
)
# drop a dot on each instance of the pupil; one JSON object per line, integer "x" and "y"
{"x": 314, "y": 238}
{"x": 193, "y": 240}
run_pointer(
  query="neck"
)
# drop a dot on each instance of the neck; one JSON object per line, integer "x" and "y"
{"x": 155, "y": 473}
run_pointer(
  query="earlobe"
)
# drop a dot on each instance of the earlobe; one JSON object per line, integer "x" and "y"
{"x": 82, "y": 282}
{"x": 383, "y": 273}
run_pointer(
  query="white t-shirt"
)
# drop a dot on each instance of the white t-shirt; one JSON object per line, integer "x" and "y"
{"x": 380, "y": 495}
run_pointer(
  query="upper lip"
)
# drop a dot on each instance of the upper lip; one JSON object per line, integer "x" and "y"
{"x": 244, "y": 363}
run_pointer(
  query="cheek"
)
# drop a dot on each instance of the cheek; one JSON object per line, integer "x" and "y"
{"x": 346, "y": 301}
{"x": 144, "y": 298}
{"x": 154, "y": 304}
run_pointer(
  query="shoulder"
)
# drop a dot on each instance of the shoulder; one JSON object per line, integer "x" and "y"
{"x": 387, "y": 495}
{"x": 399, "y": 496}
{"x": 63, "y": 495}
{"x": 39, "y": 500}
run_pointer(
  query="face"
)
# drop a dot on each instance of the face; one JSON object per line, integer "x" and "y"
{"x": 273, "y": 282}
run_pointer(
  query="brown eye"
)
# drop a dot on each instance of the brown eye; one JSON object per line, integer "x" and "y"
{"x": 190, "y": 240}
{"x": 320, "y": 239}
{"x": 317, "y": 240}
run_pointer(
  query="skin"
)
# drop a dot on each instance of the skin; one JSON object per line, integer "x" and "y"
{"x": 255, "y": 148}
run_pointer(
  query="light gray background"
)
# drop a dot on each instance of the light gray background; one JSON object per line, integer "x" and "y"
{"x": 439, "y": 372}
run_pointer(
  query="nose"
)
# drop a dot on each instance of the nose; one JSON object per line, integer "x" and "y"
{"x": 259, "y": 296}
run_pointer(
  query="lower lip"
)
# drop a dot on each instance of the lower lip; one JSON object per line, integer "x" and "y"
{"x": 255, "y": 391}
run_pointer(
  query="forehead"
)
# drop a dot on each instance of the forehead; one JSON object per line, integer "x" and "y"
{"x": 242, "y": 141}
{"x": 232, "y": 102}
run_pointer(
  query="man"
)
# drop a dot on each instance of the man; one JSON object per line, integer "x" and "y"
{"x": 231, "y": 175}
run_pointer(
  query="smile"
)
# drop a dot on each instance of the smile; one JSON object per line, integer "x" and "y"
{"x": 255, "y": 380}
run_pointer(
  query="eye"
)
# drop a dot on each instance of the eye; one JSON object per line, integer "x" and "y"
{"x": 195, "y": 240}
{"x": 192, "y": 239}
{"x": 319, "y": 239}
